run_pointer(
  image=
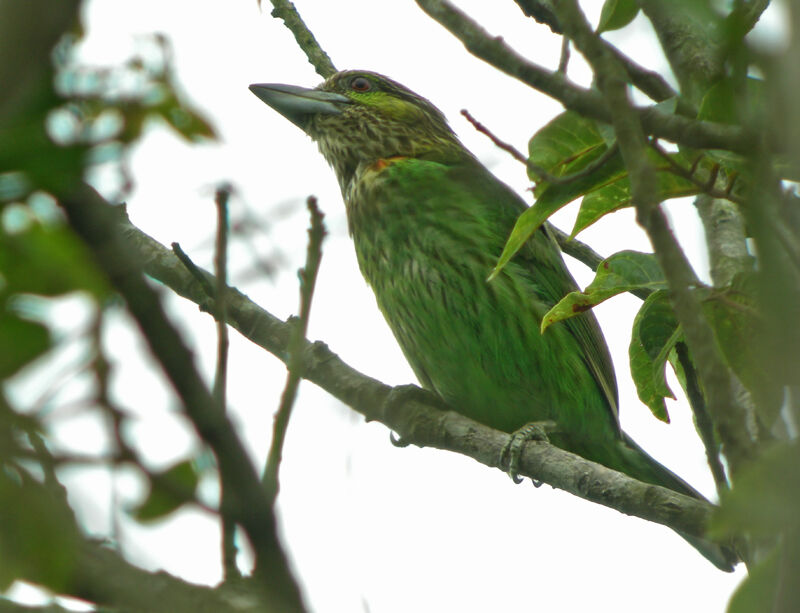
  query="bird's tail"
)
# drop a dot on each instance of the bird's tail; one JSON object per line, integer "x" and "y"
{"x": 640, "y": 465}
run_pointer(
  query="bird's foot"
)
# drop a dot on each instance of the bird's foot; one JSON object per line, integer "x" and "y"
{"x": 533, "y": 431}
{"x": 401, "y": 394}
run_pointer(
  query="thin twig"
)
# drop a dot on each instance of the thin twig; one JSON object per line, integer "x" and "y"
{"x": 563, "y": 61}
{"x": 192, "y": 268}
{"x": 705, "y": 425}
{"x": 308, "y": 280}
{"x": 515, "y": 153}
{"x": 575, "y": 248}
{"x": 536, "y": 169}
{"x": 706, "y": 186}
{"x": 305, "y": 39}
{"x": 221, "y": 271}
{"x": 102, "y": 370}
{"x": 221, "y": 196}
{"x": 648, "y": 81}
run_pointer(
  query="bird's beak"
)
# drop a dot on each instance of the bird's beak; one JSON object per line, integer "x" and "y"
{"x": 298, "y": 104}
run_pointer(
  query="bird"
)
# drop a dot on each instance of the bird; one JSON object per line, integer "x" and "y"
{"x": 429, "y": 222}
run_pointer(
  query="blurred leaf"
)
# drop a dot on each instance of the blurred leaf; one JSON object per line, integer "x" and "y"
{"x": 766, "y": 496}
{"x": 757, "y": 589}
{"x": 169, "y": 490}
{"x": 38, "y": 538}
{"x": 186, "y": 121}
{"x": 618, "y": 273}
{"x": 617, "y": 14}
{"x": 733, "y": 313}
{"x": 763, "y": 505}
{"x": 655, "y": 332}
{"x": 22, "y": 341}
{"x": 731, "y": 103}
{"x": 48, "y": 260}
{"x": 727, "y": 102}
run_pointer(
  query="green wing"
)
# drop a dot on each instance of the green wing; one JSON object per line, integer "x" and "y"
{"x": 542, "y": 251}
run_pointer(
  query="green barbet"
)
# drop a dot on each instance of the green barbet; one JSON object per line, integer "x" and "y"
{"x": 429, "y": 222}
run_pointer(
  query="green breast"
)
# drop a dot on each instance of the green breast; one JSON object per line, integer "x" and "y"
{"x": 426, "y": 236}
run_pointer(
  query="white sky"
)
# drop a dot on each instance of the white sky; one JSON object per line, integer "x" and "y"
{"x": 368, "y": 527}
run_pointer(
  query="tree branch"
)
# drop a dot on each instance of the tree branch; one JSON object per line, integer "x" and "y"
{"x": 691, "y": 40}
{"x": 675, "y": 128}
{"x": 647, "y": 81}
{"x": 424, "y": 423}
{"x": 101, "y": 575}
{"x": 305, "y": 39}
{"x": 294, "y": 364}
{"x": 94, "y": 220}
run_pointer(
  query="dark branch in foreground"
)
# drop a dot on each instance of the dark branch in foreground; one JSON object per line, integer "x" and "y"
{"x": 424, "y": 423}
{"x": 94, "y": 220}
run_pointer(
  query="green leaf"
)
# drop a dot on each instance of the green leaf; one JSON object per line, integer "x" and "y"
{"x": 642, "y": 372}
{"x": 48, "y": 260}
{"x": 655, "y": 333}
{"x": 169, "y": 490}
{"x": 617, "y": 14}
{"x": 758, "y": 588}
{"x": 728, "y": 102}
{"x": 765, "y": 498}
{"x": 618, "y": 273}
{"x": 566, "y": 144}
{"x": 38, "y": 538}
{"x": 186, "y": 121}
{"x": 734, "y": 314}
{"x": 22, "y": 341}
{"x": 616, "y": 193}
{"x": 763, "y": 504}
{"x": 731, "y": 103}
{"x": 563, "y": 147}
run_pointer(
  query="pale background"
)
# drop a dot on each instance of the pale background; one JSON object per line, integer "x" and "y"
{"x": 368, "y": 527}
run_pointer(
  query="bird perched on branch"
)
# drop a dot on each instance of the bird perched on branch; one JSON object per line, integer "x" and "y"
{"x": 429, "y": 222}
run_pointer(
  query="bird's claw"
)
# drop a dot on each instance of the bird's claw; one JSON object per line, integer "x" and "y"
{"x": 533, "y": 431}
{"x": 401, "y": 394}
{"x": 398, "y": 441}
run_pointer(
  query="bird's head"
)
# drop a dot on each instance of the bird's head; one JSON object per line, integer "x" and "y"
{"x": 359, "y": 117}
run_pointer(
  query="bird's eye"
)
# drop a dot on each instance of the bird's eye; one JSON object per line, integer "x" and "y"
{"x": 360, "y": 84}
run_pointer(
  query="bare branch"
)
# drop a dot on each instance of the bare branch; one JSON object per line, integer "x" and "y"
{"x": 425, "y": 424}
{"x": 221, "y": 196}
{"x": 308, "y": 280}
{"x": 578, "y": 250}
{"x": 305, "y": 39}
{"x": 515, "y": 153}
{"x": 648, "y": 81}
{"x": 705, "y": 425}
